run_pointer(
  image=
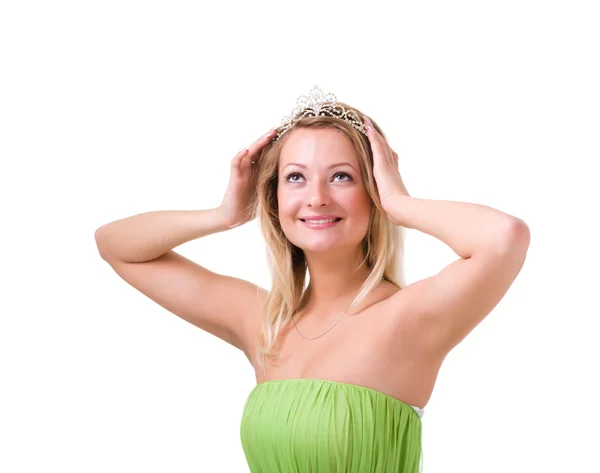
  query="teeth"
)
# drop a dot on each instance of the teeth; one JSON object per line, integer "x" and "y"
{"x": 322, "y": 221}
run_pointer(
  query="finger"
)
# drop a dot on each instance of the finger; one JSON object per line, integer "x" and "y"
{"x": 262, "y": 141}
{"x": 259, "y": 144}
{"x": 237, "y": 159}
{"x": 247, "y": 161}
{"x": 375, "y": 140}
{"x": 371, "y": 131}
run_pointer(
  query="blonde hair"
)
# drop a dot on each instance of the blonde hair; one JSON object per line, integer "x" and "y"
{"x": 382, "y": 246}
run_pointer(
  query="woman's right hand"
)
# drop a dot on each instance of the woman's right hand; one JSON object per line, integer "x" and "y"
{"x": 235, "y": 205}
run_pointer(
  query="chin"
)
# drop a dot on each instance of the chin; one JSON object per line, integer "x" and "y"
{"x": 324, "y": 244}
{"x": 319, "y": 247}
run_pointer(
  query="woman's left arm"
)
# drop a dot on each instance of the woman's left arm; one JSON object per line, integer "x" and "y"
{"x": 450, "y": 304}
{"x": 467, "y": 228}
{"x": 492, "y": 246}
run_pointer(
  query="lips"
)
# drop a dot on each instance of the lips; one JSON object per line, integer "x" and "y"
{"x": 321, "y": 220}
{"x": 325, "y": 223}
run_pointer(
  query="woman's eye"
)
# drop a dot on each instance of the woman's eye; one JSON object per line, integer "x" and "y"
{"x": 291, "y": 175}
{"x": 343, "y": 174}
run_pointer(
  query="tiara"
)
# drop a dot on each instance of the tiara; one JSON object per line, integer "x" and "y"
{"x": 315, "y": 104}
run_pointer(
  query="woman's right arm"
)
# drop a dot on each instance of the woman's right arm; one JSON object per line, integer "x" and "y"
{"x": 140, "y": 250}
{"x": 147, "y": 236}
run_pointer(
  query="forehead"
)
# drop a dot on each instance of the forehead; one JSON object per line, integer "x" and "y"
{"x": 317, "y": 145}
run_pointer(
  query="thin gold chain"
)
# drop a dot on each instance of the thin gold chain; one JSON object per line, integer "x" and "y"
{"x": 313, "y": 338}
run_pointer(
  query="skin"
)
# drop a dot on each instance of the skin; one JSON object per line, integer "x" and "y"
{"x": 316, "y": 190}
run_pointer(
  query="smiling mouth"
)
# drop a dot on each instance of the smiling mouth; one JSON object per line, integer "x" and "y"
{"x": 326, "y": 220}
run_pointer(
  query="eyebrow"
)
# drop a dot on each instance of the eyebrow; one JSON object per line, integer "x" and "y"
{"x": 328, "y": 167}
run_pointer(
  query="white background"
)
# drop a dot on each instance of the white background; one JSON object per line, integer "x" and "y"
{"x": 113, "y": 108}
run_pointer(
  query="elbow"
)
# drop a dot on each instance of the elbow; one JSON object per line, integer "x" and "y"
{"x": 100, "y": 243}
{"x": 516, "y": 236}
{"x": 519, "y": 232}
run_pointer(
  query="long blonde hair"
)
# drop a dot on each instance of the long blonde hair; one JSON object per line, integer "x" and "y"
{"x": 382, "y": 246}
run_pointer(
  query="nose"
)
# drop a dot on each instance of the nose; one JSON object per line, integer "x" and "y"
{"x": 317, "y": 194}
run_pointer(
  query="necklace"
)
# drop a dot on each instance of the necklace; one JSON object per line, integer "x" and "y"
{"x": 313, "y": 338}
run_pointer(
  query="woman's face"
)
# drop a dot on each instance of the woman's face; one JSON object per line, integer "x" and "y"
{"x": 318, "y": 177}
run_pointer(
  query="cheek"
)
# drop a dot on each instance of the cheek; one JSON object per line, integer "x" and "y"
{"x": 359, "y": 202}
{"x": 282, "y": 201}
{"x": 361, "y": 212}
{"x": 287, "y": 203}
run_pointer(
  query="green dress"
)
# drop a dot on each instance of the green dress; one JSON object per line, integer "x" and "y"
{"x": 309, "y": 425}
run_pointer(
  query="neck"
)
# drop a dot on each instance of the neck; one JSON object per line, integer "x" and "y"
{"x": 333, "y": 279}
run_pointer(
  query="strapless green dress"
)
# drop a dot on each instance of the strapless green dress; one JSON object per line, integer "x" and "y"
{"x": 309, "y": 425}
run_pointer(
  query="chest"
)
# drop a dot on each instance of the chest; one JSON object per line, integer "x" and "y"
{"x": 367, "y": 349}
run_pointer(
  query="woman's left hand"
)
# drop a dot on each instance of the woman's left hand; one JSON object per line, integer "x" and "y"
{"x": 385, "y": 168}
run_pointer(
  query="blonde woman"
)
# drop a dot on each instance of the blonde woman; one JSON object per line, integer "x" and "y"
{"x": 345, "y": 354}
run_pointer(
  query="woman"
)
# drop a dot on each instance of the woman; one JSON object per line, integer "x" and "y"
{"x": 346, "y": 361}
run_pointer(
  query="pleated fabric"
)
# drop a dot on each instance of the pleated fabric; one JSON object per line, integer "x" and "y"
{"x": 309, "y": 425}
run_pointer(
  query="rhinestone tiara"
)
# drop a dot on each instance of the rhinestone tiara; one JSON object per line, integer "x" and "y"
{"x": 315, "y": 104}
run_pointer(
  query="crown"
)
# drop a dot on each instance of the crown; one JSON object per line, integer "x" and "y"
{"x": 315, "y": 104}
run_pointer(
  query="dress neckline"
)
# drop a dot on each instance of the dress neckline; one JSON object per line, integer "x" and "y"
{"x": 420, "y": 410}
